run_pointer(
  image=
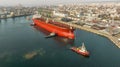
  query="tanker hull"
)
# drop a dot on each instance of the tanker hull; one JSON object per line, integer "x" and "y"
{"x": 59, "y": 31}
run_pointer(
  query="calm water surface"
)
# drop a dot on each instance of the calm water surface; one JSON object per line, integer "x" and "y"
{"x": 22, "y": 45}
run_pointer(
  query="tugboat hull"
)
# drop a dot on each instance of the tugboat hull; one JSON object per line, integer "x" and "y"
{"x": 85, "y": 53}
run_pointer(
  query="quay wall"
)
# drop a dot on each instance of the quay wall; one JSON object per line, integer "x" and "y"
{"x": 112, "y": 38}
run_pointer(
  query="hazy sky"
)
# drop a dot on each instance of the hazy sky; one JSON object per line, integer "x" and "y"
{"x": 43, "y": 2}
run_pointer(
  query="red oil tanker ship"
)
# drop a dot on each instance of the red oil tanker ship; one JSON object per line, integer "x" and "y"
{"x": 53, "y": 27}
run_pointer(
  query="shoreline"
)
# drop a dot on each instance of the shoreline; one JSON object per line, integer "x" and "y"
{"x": 111, "y": 38}
{"x": 15, "y": 16}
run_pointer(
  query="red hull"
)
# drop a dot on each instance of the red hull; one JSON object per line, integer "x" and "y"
{"x": 60, "y": 31}
{"x": 86, "y": 53}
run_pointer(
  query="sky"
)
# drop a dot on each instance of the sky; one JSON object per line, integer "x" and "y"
{"x": 44, "y": 2}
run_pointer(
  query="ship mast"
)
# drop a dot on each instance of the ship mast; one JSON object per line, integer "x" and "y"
{"x": 47, "y": 20}
{"x": 83, "y": 47}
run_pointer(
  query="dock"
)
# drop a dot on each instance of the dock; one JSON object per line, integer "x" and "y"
{"x": 110, "y": 37}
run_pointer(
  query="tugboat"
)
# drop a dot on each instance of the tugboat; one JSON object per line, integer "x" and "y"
{"x": 81, "y": 50}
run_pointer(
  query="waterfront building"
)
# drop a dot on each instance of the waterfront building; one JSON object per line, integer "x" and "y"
{"x": 59, "y": 14}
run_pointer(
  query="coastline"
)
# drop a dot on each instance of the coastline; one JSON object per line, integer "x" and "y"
{"x": 112, "y": 38}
